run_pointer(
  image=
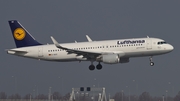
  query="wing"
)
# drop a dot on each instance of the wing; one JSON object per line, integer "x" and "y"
{"x": 86, "y": 54}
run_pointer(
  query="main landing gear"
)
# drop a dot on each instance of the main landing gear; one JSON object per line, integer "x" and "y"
{"x": 151, "y": 62}
{"x": 91, "y": 67}
{"x": 98, "y": 66}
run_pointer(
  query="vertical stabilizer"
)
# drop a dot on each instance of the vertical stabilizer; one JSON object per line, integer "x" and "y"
{"x": 21, "y": 36}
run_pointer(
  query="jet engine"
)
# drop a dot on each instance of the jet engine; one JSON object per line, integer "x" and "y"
{"x": 110, "y": 58}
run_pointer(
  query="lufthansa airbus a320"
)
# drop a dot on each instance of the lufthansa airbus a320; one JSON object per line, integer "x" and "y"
{"x": 106, "y": 51}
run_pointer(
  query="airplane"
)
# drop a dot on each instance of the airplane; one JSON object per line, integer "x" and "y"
{"x": 106, "y": 51}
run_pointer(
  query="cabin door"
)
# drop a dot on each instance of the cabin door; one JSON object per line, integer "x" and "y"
{"x": 40, "y": 51}
{"x": 148, "y": 44}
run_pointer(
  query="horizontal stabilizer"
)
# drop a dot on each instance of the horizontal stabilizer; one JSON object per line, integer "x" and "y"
{"x": 11, "y": 51}
{"x": 20, "y": 51}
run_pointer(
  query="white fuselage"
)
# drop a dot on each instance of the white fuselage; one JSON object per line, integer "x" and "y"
{"x": 126, "y": 48}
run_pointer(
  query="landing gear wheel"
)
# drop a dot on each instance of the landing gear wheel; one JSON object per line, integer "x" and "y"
{"x": 99, "y": 67}
{"x": 152, "y": 63}
{"x": 91, "y": 67}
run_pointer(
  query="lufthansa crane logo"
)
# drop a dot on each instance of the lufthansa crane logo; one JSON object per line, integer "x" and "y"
{"x": 19, "y": 34}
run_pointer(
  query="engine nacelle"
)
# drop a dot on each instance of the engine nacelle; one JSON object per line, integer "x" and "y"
{"x": 110, "y": 58}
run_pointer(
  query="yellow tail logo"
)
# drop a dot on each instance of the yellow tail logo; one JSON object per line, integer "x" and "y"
{"x": 19, "y": 34}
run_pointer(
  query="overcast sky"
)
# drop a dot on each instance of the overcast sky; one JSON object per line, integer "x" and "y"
{"x": 100, "y": 19}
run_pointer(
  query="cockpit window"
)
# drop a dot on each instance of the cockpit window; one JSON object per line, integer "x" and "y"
{"x": 161, "y": 42}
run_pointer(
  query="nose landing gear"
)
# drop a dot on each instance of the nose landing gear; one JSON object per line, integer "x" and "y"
{"x": 151, "y": 62}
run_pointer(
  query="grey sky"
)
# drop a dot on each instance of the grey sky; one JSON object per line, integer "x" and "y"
{"x": 72, "y": 20}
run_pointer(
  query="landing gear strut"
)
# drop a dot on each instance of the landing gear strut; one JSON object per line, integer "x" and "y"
{"x": 151, "y": 62}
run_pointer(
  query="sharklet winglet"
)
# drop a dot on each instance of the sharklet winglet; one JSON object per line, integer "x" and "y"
{"x": 56, "y": 43}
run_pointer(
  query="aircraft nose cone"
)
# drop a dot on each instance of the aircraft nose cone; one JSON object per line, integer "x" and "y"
{"x": 171, "y": 48}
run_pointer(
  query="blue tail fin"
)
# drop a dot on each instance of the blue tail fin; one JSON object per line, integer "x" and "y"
{"x": 21, "y": 36}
